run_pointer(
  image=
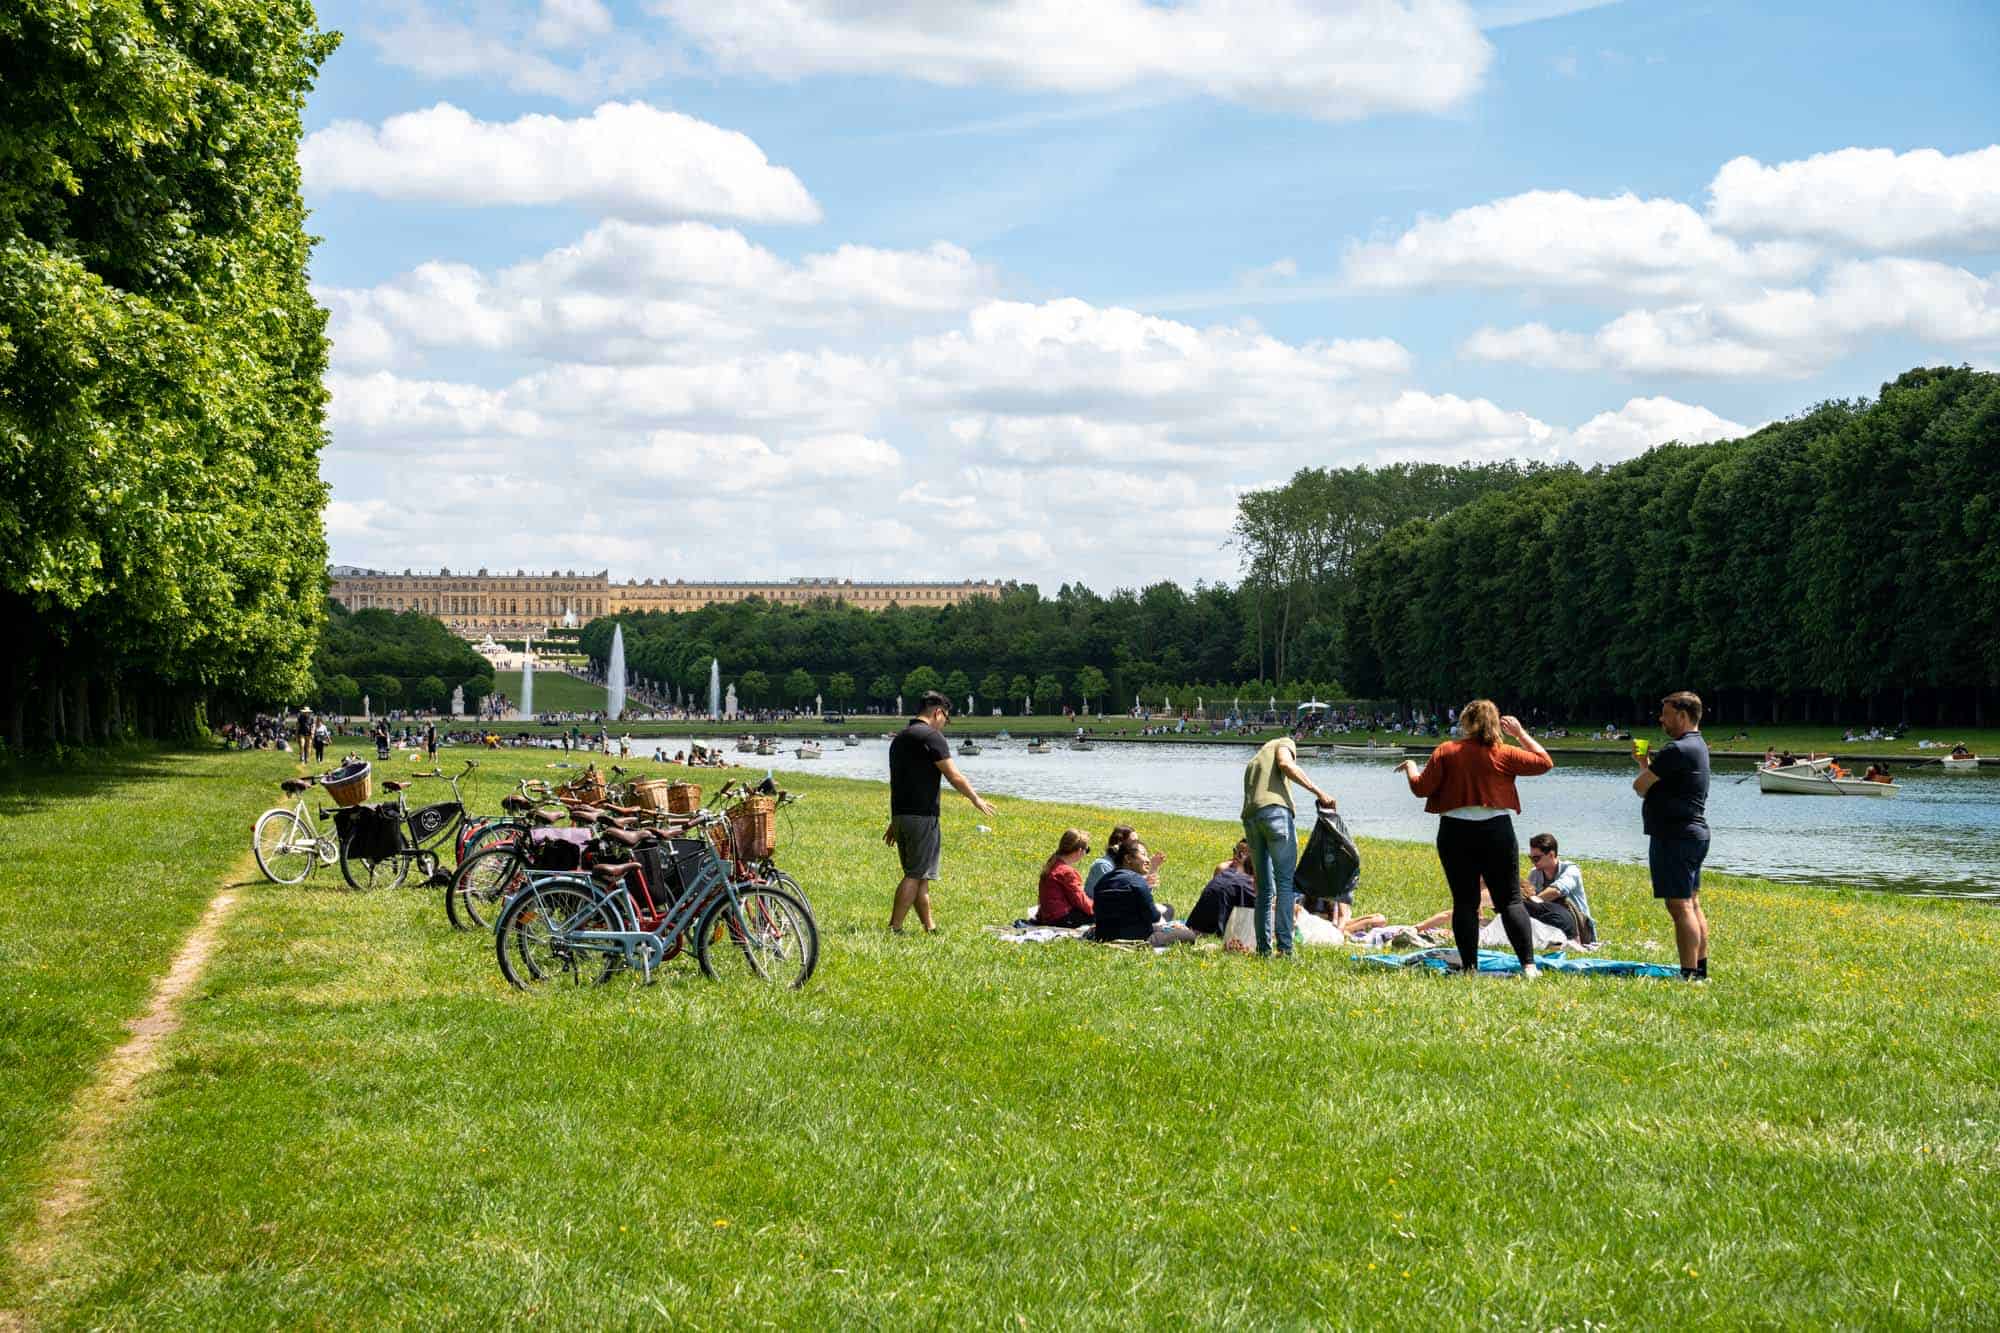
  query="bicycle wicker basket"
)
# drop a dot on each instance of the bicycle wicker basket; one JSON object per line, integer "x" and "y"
{"x": 650, "y": 794}
{"x": 350, "y": 784}
{"x": 683, "y": 798}
{"x": 588, "y": 788}
{"x": 753, "y": 828}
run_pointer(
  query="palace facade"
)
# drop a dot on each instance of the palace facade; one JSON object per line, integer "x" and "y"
{"x": 510, "y": 605}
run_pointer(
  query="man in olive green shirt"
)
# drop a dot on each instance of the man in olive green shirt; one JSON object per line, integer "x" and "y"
{"x": 1270, "y": 827}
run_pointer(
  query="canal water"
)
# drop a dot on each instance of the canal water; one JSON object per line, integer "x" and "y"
{"x": 1941, "y": 835}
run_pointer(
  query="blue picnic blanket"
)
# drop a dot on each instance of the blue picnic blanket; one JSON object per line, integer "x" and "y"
{"x": 1497, "y": 961}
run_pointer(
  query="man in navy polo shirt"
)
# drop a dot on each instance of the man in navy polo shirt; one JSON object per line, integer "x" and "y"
{"x": 1673, "y": 784}
{"x": 918, "y": 757}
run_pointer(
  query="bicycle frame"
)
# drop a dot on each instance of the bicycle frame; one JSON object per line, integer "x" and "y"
{"x": 639, "y": 948}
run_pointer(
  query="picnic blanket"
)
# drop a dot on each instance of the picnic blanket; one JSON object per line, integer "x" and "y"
{"x": 1495, "y": 961}
{"x": 1027, "y": 933}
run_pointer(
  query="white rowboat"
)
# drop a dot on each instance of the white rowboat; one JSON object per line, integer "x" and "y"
{"x": 1798, "y": 780}
{"x": 1366, "y": 752}
{"x": 1969, "y": 764}
{"x": 1040, "y": 747}
{"x": 808, "y": 751}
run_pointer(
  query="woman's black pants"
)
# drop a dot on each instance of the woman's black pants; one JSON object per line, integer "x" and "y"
{"x": 1474, "y": 849}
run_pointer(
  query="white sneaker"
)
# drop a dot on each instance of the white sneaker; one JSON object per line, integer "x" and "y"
{"x": 1530, "y": 972}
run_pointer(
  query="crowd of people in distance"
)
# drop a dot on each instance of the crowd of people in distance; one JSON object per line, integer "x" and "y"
{"x": 1469, "y": 782}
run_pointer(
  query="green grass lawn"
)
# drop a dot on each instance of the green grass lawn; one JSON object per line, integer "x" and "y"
{"x": 360, "y": 1124}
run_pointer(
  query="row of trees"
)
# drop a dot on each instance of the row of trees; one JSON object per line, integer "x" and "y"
{"x": 1842, "y": 565}
{"x": 396, "y": 659}
{"x": 1075, "y": 648}
{"x": 161, "y": 411}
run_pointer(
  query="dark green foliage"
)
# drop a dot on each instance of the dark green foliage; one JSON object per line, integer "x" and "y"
{"x": 161, "y": 412}
{"x": 399, "y": 659}
{"x": 1842, "y": 563}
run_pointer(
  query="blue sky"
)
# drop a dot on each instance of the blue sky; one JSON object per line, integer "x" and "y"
{"x": 1034, "y": 290}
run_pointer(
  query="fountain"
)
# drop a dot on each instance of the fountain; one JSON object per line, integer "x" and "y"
{"x": 715, "y": 689}
{"x": 614, "y": 679}
{"x": 528, "y": 680}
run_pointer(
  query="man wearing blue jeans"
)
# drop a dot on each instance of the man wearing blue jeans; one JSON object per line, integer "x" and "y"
{"x": 1270, "y": 827}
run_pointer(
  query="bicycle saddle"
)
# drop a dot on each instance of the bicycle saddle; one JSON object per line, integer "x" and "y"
{"x": 630, "y": 837}
{"x": 611, "y": 874}
{"x": 393, "y": 785}
{"x": 516, "y": 803}
{"x": 296, "y": 784}
{"x": 545, "y": 818}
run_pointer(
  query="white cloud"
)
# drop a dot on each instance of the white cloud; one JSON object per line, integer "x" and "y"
{"x": 1642, "y": 423}
{"x": 627, "y": 159}
{"x": 1335, "y": 62}
{"x": 568, "y": 49}
{"x": 742, "y": 464}
{"x": 1069, "y": 353}
{"x": 566, "y": 23}
{"x": 1788, "y": 332}
{"x": 383, "y": 407}
{"x": 1554, "y": 240}
{"x": 1866, "y": 198}
{"x": 633, "y": 292}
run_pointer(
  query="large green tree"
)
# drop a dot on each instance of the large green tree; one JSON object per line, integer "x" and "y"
{"x": 161, "y": 411}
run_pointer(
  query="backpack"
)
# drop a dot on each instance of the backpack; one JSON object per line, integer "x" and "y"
{"x": 369, "y": 832}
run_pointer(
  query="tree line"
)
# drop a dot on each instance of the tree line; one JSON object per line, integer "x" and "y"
{"x": 1074, "y": 649}
{"x": 1841, "y": 565}
{"x": 161, "y": 408}
{"x": 394, "y": 659}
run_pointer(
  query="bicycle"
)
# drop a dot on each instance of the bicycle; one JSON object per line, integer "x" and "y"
{"x": 288, "y": 844}
{"x": 567, "y": 926}
{"x": 420, "y": 835}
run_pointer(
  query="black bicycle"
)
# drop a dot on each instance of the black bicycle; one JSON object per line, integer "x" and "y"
{"x": 380, "y": 844}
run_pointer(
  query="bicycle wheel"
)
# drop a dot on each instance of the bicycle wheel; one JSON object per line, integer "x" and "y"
{"x": 286, "y": 853}
{"x": 779, "y": 879}
{"x": 493, "y": 833}
{"x": 530, "y": 937}
{"x": 387, "y": 873}
{"x": 775, "y": 941}
{"x": 483, "y": 885}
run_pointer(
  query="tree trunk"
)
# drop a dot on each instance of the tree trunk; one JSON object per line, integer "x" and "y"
{"x": 79, "y": 718}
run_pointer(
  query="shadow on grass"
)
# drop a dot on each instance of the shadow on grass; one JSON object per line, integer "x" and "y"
{"x": 29, "y": 789}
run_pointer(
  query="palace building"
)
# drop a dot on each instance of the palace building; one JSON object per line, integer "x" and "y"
{"x": 523, "y": 603}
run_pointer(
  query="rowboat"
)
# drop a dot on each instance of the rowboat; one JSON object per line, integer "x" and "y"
{"x": 766, "y": 745}
{"x": 1040, "y": 747}
{"x": 968, "y": 747}
{"x": 1366, "y": 751}
{"x": 1968, "y": 764}
{"x": 810, "y": 750}
{"x": 852, "y": 740}
{"x": 746, "y": 744}
{"x": 1804, "y": 780}
{"x": 1081, "y": 745}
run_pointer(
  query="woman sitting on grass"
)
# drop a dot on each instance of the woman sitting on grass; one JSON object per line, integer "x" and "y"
{"x": 1063, "y": 902}
{"x": 1108, "y": 862}
{"x": 1124, "y": 906}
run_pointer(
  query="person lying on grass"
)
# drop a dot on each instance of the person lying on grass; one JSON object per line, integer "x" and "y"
{"x": 1124, "y": 906}
{"x": 1062, "y": 901}
{"x": 1231, "y": 886}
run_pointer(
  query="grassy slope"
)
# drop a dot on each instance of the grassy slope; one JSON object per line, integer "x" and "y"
{"x": 361, "y": 1124}
{"x": 555, "y": 692}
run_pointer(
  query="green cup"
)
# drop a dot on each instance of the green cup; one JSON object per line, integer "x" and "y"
{"x": 1640, "y": 746}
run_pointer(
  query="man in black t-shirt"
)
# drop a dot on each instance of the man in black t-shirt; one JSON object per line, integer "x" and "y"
{"x": 1673, "y": 783}
{"x": 917, "y": 758}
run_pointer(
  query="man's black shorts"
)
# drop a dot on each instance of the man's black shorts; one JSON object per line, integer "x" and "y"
{"x": 1676, "y": 866}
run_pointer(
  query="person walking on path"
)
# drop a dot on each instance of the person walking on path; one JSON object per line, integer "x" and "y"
{"x": 431, "y": 741}
{"x": 1469, "y": 784}
{"x": 306, "y": 726}
{"x": 918, "y": 757}
{"x": 320, "y": 737}
{"x": 1673, "y": 784}
{"x": 1270, "y": 826}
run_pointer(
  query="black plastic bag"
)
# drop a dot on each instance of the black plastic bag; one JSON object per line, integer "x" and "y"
{"x": 1330, "y": 866}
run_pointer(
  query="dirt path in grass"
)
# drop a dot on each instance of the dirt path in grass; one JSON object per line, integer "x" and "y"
{"x": 104, "y": 1102}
